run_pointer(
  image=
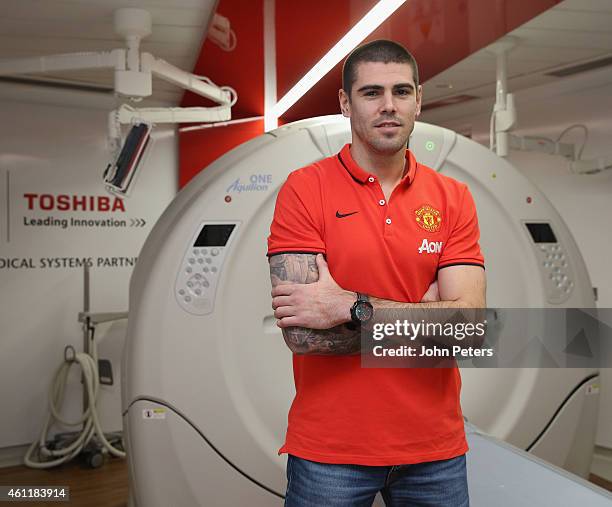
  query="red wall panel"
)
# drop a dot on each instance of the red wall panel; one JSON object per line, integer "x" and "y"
{"x": 241, "y": 69}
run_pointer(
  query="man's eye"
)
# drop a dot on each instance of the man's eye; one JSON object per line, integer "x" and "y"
{"x": 403, "y": 91}
{"x": 371, "y": 93}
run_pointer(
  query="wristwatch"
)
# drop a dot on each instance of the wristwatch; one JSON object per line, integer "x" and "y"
{"x": 362, "y": 310}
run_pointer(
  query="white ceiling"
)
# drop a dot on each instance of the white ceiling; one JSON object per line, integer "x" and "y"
{"x": 44, "y": 27}
{"x": 572, "y": 32}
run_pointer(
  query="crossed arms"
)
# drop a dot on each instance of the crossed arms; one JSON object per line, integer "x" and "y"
{"x": 313, "y": 311}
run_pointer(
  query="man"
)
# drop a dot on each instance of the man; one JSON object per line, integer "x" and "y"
{"x": 356, "y": 431}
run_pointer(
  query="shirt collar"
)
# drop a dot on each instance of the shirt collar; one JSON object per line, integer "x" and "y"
{"x": 362, "y": 175}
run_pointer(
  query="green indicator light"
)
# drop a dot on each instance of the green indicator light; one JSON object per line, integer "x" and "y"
{"x": 430, "y": 146}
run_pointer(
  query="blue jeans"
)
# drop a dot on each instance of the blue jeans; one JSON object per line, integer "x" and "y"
{"x": 433, "y": 484}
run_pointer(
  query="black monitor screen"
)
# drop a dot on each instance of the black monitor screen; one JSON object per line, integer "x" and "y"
{"x": 214, "y": 235}
{"x": 541, "y": 233}
{"x": 135, "y": 143}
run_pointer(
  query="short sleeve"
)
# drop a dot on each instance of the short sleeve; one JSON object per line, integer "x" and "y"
{"x": 462, "y": 244}
{"x": 297, "y": 225}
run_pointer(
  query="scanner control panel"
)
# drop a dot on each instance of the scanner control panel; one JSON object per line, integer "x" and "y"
{"x": 196, "y": 284}
{"x": 553, "y": 261}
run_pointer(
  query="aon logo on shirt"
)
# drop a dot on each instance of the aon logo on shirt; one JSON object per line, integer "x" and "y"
{"x": 430, "y": 247}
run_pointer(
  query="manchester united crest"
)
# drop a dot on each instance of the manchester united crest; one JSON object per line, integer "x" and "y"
{"x": 429, "y": 218}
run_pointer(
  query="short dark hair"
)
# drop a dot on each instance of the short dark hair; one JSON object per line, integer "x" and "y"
{"x": 384, "y": 51}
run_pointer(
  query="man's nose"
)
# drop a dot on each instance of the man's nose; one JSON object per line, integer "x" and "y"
{"x": 388, "y": 104}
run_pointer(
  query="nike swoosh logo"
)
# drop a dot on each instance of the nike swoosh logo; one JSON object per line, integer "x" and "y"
{"x": 340, "y": 215}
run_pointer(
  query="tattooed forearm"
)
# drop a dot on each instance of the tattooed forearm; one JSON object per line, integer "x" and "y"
{"x": 335, "y": 341}
{"x": 343, "y": 339}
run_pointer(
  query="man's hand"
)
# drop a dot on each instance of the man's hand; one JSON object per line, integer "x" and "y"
{"x": 432, "y": 295}
{"x": 319, "y": 305}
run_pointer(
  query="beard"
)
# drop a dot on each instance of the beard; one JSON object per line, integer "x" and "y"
{"x": 388, "y": 145}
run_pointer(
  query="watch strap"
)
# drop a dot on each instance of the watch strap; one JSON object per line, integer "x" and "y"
{"x": 362, "y": 297}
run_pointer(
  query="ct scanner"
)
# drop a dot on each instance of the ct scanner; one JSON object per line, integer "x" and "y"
{"x": 207, "y": 377}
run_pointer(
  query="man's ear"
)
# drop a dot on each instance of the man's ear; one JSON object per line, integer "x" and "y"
{"x": 419, "y": 99}
{"x": 345, "y": 107}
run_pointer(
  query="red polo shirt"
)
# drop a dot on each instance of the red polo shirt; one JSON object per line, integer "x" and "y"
{"x": 343, "y": 413}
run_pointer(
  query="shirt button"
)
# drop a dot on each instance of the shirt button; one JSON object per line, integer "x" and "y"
{"x": 388, "y": 221}
{"x": 381, "y": 202}
{"x": 371, "y": 179}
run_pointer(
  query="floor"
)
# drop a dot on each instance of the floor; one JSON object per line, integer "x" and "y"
{"x": 106, "y": 486}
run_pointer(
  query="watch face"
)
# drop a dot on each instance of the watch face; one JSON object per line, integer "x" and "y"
{"x": 364, "y": 311}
